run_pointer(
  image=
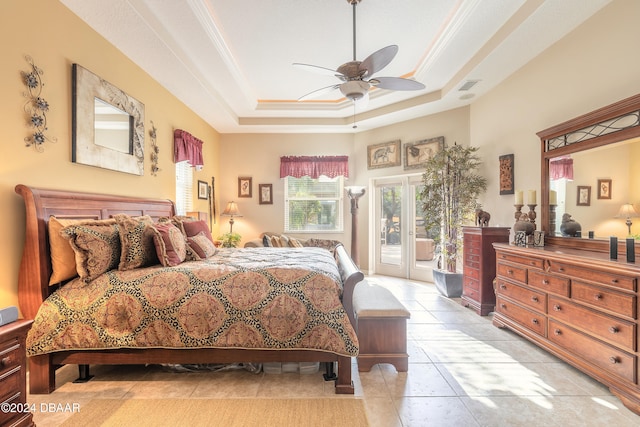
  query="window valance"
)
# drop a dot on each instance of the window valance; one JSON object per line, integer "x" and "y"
{"x": 187, "y": 147}
{"x": 314, "y": 166}
{"x": 561, "y": 168}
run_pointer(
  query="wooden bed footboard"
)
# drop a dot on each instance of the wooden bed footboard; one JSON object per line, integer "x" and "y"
{"x": 33, "y": 289}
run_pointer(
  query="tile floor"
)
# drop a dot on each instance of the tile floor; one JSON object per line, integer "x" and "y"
{"x": 463, "y": 372}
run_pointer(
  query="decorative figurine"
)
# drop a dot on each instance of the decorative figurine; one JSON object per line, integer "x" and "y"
{"x": 482, "y": 218}
{"x": 569, "y": 227}
{"x": 523, "y": 224}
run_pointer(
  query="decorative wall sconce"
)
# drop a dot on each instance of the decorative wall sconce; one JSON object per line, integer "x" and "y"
{"x": 154, "y": 150}
{"x": 36, "y": 107}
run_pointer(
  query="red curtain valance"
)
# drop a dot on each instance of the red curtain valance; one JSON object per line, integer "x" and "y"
{"x": 187, "y": 147}
{"x": 314, "y": 166}
{"x": 561, "y": 168}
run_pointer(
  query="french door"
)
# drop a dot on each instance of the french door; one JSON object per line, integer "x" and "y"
{"x": 401, "y": 247}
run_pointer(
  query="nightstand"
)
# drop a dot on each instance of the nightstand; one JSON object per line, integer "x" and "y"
{"x": 13, "y": 374}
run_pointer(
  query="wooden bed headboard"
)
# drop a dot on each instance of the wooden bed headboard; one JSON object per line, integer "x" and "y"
{"x": 40, "y": 204}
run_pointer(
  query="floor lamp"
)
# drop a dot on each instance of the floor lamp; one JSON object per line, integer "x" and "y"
{"x": 354, "y": 193}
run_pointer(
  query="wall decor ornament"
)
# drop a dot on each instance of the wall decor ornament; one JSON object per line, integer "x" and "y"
{"x": 244, "y": 186}
{"x": 584, "y": 195}
{"x": 417, "y": 153}
{"x": 506, "y": 174}
{"x": 154, "y": 150}
{"x": 383, "y": 155}
{"x": 604, "y": 189}
{"x": 107, "y": 125}
{"x": 36, "y": 107}
{"x": 265, "y": 194}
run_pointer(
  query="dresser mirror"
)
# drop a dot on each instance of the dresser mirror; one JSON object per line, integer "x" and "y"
{"x": 599, "y": 153}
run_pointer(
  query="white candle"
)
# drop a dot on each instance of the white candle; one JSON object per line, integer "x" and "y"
{"x": 553, "y": 197}
{"x": 519, "y": 197}
{"x": 532, "y": 197}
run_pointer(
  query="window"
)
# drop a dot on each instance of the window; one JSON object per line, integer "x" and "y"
{"x": 184, "y": 186}
{"x": 313, "y": 205}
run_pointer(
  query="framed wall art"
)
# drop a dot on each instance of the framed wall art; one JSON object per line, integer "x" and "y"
{"x": 506, "y": 174}
{"x": 203, "y": 190}
{"x": 107, "y": 125}
{"x": 383, "y": 155}
{"x": 265, "y": 191}
{"x": 417, "y": 153}
{"x": 244, "y": 186}
{"x": 584, "y": 195}
{"x": 604, "y": 189}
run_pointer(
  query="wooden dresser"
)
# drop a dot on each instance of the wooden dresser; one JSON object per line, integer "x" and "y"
{"x": 479, "y": 266}
{"x": 13, "y": 374}
{"x": 578, "y": 305}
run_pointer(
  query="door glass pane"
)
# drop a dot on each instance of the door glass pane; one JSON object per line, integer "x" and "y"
{"x": 424, "y": 244}
{"x": 390, "y": 235}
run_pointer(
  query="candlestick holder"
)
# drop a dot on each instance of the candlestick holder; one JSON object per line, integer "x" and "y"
{"x": 532, "y": 214}
{"x": 518, "y": 212}
{"x": 552, "y": 220}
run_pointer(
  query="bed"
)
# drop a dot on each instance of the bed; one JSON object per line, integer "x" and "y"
{"x": 295, "y": 345}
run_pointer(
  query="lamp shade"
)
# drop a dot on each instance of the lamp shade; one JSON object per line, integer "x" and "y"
{"x": 231, "y": 210}
{"x": 627, "y": 211}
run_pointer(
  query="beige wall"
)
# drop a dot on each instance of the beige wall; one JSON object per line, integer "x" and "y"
{"x": 55, "y": 39}
{"x": 593, "y": 66}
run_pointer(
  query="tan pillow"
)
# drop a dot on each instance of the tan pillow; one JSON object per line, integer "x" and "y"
{"x": 295, "y": 243}
{"x": 201, "y": 245}
{"x": 63, "y": 258}
{"x": 136, "y": 240}
{"x": 170, "y": 243}
{"x": 96, "y": 244}
{"x": 275, "y": 242}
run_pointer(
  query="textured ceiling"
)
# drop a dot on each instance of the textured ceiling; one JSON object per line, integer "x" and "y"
{"x": 231, "y": 61}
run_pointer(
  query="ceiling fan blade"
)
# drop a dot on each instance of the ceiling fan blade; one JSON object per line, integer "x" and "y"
{"x": 318, "y": 93}
{"x": 378, "y": 60}
{"x": 396, "y": 83}
{"x": 317, "y": 69}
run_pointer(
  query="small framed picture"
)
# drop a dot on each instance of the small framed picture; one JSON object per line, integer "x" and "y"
{"x": 244, "y": 186}
{"x": 506, "y": 174}
{"x": 203, "y": 190}
{"x": 383, "y": 155}
{"x": 417, "y": 153}
{"x": 265, "y": 197}
{"x": 584, "y": 195}
{"x": 604, "y": 189}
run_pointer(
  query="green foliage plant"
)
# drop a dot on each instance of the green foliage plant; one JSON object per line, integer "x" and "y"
{"x": 451, "y": 186}
{"x": 230, "y": 240}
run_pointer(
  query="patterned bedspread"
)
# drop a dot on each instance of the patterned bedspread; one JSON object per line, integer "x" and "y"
{"x": 253, "y": 298}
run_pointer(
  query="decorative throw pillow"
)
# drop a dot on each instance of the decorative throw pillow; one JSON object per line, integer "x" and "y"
{"x": 295, "y": 243}
{"x": 266, "y": 241}
{"x": 201, "y": 245}
{"x": 136, "y": 238}
{"x": 275, "y": 242}
{"x": 96, "y": 245}
{"x": 327, "y": 244}
{"x": 63, "y": 258}
{"x": 192, "y": 228}
{"x": 170, "y": 244}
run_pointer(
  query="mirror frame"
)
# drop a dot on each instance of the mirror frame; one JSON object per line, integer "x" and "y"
{"x": 606, "y": 125}
{"x": 86, "y": 87}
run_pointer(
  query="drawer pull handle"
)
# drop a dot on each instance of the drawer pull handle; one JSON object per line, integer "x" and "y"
{"x": 535, "y": 321}
{"x": 557, "y": 307}
{"x": 614, "y": 330}
{"x": 598, "y": 297}
{"x": 545, "y": 282}
{"x": 503, "y": 306}
{"x": 6, "y": 361}
{"x": 614, "y": 280}
{"x": 557, "y": 332}
{"x": 534, "y": 298}
{"x": 509, "y": 271}
{"x": 503, "y": 286}
{"x": 613, "y": 360}
{"x": 560, "y": 268}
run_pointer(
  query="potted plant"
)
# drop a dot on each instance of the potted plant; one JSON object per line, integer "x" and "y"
{"x": 451, "y": 186}
{"x": 230, "y": 240}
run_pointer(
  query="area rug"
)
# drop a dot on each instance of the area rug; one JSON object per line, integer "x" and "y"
{"x": 329, "y": 412}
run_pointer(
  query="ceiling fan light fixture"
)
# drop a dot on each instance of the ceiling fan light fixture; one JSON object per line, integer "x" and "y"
{"x": 354, "y": 89}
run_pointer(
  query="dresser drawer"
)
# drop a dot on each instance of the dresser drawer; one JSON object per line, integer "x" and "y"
{"x": 601, "y": 277}
{"x": 595, "y": 352}
{"x": 529, "y": 262}
{"x": 604, "y": 299}
{"x": 10, "y": 355}
{"x": 470, "y": 293}
{"x": 532, "y": 299}
{"x": 533, "y": 321}
{"x": 471, "y": 283}
{"x": 512, "y": 272}
{"x": 10, "y": 385}
{"x": 549, "y": 283}
{"x": 608, "y": 328}
{"x": 471, "y": 260}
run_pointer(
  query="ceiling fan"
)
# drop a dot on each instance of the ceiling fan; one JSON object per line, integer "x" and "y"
{"x": 357, "y": 76}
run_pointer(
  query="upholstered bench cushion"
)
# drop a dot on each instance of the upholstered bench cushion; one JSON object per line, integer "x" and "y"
{"x": 371, "y": 300}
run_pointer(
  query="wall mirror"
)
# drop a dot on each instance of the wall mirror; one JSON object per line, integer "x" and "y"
{"x": 108, "y": 125}
{"x": 603, "y": 149}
